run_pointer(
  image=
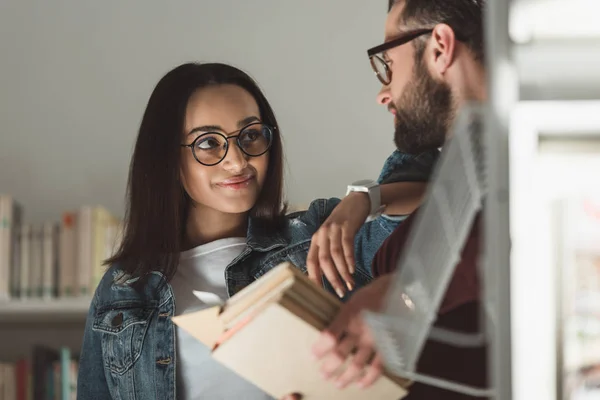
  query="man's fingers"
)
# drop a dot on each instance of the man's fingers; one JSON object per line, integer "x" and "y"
{"x": 335, "y": 360}
{"x": 338, "y": 256}
{"x": 331, "y": 336}
{"x": 312, "y": 263}
{"x": 373, "y": 372}
{"x": 356, "y": 367}
{"x": 325, "y": 343}
{"x": 342, "y": 321}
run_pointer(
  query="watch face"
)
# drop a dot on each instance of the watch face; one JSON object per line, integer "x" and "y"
{"x": 365, "y": 182}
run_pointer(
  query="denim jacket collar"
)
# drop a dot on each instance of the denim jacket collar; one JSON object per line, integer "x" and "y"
{"x": 259, "y": 240}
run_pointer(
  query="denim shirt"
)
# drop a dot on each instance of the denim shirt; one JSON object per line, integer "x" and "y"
{"x": 129, "y": 344}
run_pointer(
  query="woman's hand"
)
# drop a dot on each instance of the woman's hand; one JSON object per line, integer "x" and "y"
{"x": 332, "y": 247}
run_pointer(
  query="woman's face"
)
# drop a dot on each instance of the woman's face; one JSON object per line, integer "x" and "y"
{"x": 233, "y": 185}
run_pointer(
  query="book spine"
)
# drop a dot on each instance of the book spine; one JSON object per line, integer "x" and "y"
{"x": 48, "y": 260}
{"x": 83, "y": 264}
{"x": 36, "y": 273}
{"x": 67, "y": 275}
{"x": 5, "y": 247}
{"x": 25, "y": 268}
{"x": 15, "y": 267}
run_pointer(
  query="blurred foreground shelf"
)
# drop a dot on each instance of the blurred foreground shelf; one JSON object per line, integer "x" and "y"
{"x": 44, "y": 310}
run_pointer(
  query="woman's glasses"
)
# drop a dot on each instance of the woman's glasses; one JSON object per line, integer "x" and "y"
{"x": 211, "y": 148}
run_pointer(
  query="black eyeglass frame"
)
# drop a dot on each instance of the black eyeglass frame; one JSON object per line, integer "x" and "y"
{"x": 399, "y": 41}
{"x": 192, "y": 145}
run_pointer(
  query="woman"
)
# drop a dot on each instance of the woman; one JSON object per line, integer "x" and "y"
{"x": 204, "y": 213}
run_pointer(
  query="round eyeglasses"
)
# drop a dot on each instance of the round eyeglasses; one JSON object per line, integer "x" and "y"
{"x": 211, "y": 148}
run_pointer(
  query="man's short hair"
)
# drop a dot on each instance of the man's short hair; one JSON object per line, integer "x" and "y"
{"x": 465, "y": 17}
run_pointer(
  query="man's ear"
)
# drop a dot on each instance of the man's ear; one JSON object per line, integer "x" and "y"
{"x": 443, "y": 46}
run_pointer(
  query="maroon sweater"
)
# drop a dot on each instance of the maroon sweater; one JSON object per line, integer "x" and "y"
{"x": 459, "y": 311}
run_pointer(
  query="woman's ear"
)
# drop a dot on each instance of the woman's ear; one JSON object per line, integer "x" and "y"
{"x": 443, "y": 47}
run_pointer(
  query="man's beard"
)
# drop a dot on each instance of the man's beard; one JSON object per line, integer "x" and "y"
{"x": 423, "y": 113}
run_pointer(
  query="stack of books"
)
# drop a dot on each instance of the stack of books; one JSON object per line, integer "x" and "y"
{"x": 265, "y": 333}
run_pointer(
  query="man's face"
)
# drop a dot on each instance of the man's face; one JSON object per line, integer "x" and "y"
{"x": 422, "y": 106}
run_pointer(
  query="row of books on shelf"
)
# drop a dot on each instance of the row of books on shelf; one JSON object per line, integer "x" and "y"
{"x": 47, "y": 374}
{"x": 54, "y": 259}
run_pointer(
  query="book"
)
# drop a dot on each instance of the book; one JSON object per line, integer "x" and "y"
{"x": 10, "y": 219}
{"x": 265, "y": 332}
{"x": 47, "y": 259}
{"x": 46, "y": 373}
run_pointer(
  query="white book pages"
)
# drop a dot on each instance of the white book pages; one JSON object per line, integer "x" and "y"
{"x": 432, "y": 252}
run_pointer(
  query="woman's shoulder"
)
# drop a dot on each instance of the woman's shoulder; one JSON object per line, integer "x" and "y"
{"x": 117, "y": 286}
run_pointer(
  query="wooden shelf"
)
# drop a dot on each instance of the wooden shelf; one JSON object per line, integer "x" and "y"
{"x": 44, "y": 310}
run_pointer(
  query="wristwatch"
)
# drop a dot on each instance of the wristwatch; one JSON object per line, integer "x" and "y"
{"x": 371, "y": 188}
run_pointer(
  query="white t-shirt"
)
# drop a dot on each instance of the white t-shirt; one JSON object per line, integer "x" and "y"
{"x": 198, "y": 375}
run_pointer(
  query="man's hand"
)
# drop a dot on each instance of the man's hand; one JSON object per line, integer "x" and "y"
{"x": 348, "y": 335}
{"x": 332, "y": 246}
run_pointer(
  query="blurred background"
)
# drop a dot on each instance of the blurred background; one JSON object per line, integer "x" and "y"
{"x": 76, "y": 77}
{"x": 75, "y": 80}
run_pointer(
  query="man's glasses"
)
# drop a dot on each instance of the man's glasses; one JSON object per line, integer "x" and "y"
{"x": 379, "y": 64}
{"x": 211, "y": 148}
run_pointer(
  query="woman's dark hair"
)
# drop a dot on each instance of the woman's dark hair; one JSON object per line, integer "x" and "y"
{"x": 157, "y": 204}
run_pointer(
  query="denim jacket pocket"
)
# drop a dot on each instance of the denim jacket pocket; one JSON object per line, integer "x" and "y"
{"x": 296, "y": 254}
{"x": 123, "y": 329}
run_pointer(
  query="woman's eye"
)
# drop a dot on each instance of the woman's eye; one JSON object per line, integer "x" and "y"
{"x": 208, "y": 144}
{"x": 251, "y": 135}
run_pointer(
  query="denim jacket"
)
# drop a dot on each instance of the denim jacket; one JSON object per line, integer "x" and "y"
{"x": 129, "y": 341}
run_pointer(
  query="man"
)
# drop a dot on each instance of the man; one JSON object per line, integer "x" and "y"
{"x": 432, "y": 62}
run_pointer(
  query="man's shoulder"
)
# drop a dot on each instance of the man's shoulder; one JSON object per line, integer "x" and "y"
{"x": 401, "y": 167}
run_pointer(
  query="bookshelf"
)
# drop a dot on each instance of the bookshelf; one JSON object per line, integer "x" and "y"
{"x": 44, "y": 311}
{"x": 25, "y": 323}
{"x": 43, "y": 264}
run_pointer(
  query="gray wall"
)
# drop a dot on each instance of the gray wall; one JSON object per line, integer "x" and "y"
{"x": 76, "y": 76}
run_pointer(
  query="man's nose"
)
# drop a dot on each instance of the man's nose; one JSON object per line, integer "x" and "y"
{"x": 384, "y": 97}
